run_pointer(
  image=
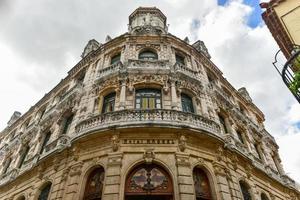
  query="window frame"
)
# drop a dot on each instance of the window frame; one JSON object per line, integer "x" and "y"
{"x": 107, "y": 100}
{"x": 139, "y": 96}
{"x": 148, "y": 58}
{"x": 187, "y": 102}
{"x": 116, "y": 58}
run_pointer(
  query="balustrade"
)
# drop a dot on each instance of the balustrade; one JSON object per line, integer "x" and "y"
{"x": 161, "y": 117}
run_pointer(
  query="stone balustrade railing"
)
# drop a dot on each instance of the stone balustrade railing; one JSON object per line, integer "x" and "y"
{"x": 187, "y": 71}
{"x": 72, "y": 92}
{"x": 109, "y": 70}
{"x": 57, "y": 144}
{"x": 159, "y": 117}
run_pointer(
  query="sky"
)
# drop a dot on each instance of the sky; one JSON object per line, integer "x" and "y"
{"x": 40, "y": 41}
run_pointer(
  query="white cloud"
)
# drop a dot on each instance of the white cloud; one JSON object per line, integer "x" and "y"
{"x": 44, "y": 39}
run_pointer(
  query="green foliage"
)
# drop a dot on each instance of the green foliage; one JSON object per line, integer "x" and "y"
{"x": 295, "y": 85}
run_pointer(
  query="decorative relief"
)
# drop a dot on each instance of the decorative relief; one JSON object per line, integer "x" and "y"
{"x": 115, "y": 142}
{"x": 147, "y": 45}
{"x": 148, "y": 141}
{"x": 149, "y": 155}
{"x": 76, "y": 169}
{"x": 182, "y": 143}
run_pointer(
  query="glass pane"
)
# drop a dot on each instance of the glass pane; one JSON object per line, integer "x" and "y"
{"x": 109, "y": 103}
{"x": 45, "y": 192}
{"x": 151, "y": 103}
{"x": 187, "y": 103}
{"x": 144, "y": 103}
{"x": 148, "y": 55}
{"x": 115, "y": 59}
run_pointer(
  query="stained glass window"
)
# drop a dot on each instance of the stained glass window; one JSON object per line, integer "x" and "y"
{"x": 245, "y": 191}
{"x": 94, "y": 185}
{"x": 45, "y": 192}
{"x": 148, "y": 99}
{"x": 115, "y": 59}
{"x": 109, "y": 103}
{"x": 147, "y": 180}
{"x": 148, "y": 55}
{"x": 187, "y": 103}
{"x": 202, "y": 186}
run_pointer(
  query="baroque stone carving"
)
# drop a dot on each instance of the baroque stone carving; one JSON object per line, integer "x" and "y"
{"x": 149, "y": 155}
{"x": 182, "y": 143}
{"x": 115, "y": 142}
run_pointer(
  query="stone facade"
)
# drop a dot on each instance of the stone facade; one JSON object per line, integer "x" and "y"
{"x": 72, "y": 130}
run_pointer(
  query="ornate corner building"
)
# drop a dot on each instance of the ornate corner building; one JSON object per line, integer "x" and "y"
{"x": 144, "y": 116}
{"x": 282, "y": 19}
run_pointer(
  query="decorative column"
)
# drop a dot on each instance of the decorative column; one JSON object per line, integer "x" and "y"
{"x": 122, "y": 104}
{"x": 174, "y": 100}
{"x": 111, "y": 188}
{"x": 221, "y": 177}
{"x": 72, "y": 183}
{"x": 184, "y": 177}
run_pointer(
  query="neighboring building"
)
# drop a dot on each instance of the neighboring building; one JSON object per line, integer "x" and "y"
{"x": 282, "y": 17}
{"x": 144, "y": 116}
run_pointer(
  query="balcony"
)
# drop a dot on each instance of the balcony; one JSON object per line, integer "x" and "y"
{"x": 56, "y": 145}
{"x": 290, "y": 72}
{"x": 114, "y": 68}
{"x": 70, "y": 95}
{"x": 142, "y": 118}
{"x": 178, "y": 67}
{"x": 148, "y": 64}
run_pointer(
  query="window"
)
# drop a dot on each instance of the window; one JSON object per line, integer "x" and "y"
{"x": 94, "y": 185}
{"x": 201, "y": 184}
{"x": 148, "y": 55}
{"x": 222, "y": 122}
{"x": 240, "y": 136}
{"x": 7, "y": 165}
{"x": 115, "y": 59}
{"x": 109, "y": 103}
{"x": 80, "y": 77}
{"x": 187, "y": 103}
{"x": 45, "y": 192}
{"x": 42, "y": 113}
{"x": 23, "y": 157}
{"x": 67, "y": 123}
{"x": 256, "y": 147}
{"x": 46, "y": 139}
{"x": 147, "y": 99}
{"x": 263, "y": 196}
{"x": 245, "y": 190}
{"x": 179, "y": 59}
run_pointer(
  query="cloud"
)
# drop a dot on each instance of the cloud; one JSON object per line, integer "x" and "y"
{"x": 41, "y": 40}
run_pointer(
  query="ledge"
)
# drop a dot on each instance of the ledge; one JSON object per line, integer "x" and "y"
{"x": 142, "y": 118}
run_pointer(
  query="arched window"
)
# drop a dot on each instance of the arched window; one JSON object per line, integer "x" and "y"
{"x": 109, "y": 103}
{"x": 263, "y": 196}
{"x": 115, "y": 59}
{"x": 7, "y": 165}
{"x": 201, "y": 184}
{"x": 44, "y": 194}
{"x": 23, "y": 156}
{"x": 187, "y": 103}
{"x": 94, "y": 185}
{"x": 179, "y": 59}
{"x": 240, "y": 136}
{"x": 45, "y": 142}
{"x": 67, "y": 123}
{"x": 148, "y": 181}
{"x": 148, "y": 55}
{"x": 21, "y": 198}
{"x": 223, "y": 124}
{"x": 245, "y": 190}
{"x": 147, "y": 99}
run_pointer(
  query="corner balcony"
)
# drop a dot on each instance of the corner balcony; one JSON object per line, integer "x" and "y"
{"x": 112, "y": 69}
{"x": 57, "y": 144}
{"x": 144, "y": 118}
{"x": 290, "y": 72}
{"x": 178, "y": 67}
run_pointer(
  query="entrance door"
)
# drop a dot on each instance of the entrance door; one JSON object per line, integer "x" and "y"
{"x": 148, "y": 182}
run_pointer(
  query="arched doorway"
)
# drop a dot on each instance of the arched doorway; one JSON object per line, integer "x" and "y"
{"x": 94, "y": 185}
{"x": 201, "y": 184}
{"x": 148, "y": 182}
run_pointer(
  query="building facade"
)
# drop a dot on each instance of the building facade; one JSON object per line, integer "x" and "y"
{"x": 282, "y": 19}
{"x": 145, "y": 115}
